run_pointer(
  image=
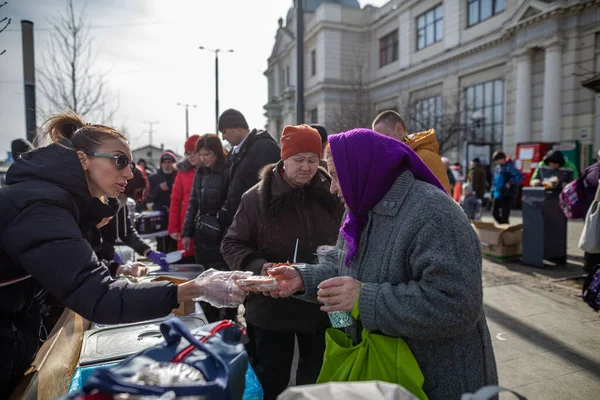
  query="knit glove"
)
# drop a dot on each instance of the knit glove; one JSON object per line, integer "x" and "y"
{"x": 159, "y": 259}
{"x": 219, "y": 289}
{"x": 117, "y": 258}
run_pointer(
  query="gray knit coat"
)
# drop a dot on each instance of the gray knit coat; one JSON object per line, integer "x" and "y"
{"x": 420, "y": 262}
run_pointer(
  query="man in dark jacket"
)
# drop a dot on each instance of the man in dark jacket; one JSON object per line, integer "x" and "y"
{"x": 251, "y": 152}
{"x": 161, "y": 185}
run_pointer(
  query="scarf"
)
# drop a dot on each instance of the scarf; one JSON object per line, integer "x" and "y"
{"x": 367, "y": 165}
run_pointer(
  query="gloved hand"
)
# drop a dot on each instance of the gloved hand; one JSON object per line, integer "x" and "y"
{"x": 135, "y": 270}
{"x": 118, "y": 259}
{"x": 219, "y": 289}
{"x": 159, "y": 259}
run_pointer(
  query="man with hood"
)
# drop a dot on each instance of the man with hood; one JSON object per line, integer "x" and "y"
{"x": 161, "y": 187}
{"x": 425, "y": 144}
{"x": 251, "y": 151}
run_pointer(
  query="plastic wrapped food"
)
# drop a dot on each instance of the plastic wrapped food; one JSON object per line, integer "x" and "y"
{"x": 258, "y": 283}
{"x": 165, "y": 374}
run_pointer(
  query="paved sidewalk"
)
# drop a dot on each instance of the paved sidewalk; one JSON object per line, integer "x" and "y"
{"x": 547, "y": 345}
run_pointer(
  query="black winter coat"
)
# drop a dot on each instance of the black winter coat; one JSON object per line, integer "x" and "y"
{"x": 209, "y": 192}
{"x": 120, "y": 227}
{"x": 161, "y": 199}
{"x": 259, "y": 149}
{"x": 46, "y": 210}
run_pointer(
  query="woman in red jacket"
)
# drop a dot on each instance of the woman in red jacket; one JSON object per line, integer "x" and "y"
{"x": 180, "y": 197}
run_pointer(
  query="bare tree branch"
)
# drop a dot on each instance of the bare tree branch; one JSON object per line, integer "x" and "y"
{"x": 6, "y": 21}
{"x": 68, "y": 77}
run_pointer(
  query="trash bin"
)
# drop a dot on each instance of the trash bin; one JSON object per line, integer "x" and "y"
{"x": 544, "y": 227}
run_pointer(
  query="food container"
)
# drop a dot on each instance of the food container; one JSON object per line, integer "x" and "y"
{"x": 322, "y": 252}
{"x": 180, "y": 271}
{"x": 116, "y": 342}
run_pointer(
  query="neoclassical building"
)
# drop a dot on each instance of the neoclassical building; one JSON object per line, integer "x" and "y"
{"x": 499, "y": 72}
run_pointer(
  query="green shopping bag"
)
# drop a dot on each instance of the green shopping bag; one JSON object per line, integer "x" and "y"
{"x": 376, "y": 357}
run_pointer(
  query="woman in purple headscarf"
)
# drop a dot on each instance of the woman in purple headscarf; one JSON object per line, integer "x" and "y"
{"x": 407, "y": 263}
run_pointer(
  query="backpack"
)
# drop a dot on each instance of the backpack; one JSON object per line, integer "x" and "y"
{"x": 571, "y": 199}
{"x": 591, "y": 288}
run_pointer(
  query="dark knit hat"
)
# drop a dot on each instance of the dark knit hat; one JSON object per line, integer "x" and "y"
{"x": 300, "y": 139}
{"x": 322, "y": 131}
{"x": 231, "y": 119}
{"x": 167, "y": 155}
{"x": 20, "y": 146}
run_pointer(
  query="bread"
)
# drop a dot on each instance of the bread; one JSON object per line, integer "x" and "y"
{"x": 258, "y": 283}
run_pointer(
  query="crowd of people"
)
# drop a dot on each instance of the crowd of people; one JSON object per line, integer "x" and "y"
{"x": 379, "y": 198}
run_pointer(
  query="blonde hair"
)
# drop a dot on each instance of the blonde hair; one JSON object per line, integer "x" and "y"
{"x": 84, "y": 137}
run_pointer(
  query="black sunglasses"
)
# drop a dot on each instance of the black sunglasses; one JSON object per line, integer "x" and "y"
{"x": 121, "y": 161}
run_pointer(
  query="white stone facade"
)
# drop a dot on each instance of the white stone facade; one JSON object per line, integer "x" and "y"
{"x": 524, "y": 64}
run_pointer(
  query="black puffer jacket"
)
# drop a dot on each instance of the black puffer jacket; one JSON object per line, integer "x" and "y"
{"x": 259, "y": 149}
{"x": 208, "y": 195}
{"x": 45, "y": 208}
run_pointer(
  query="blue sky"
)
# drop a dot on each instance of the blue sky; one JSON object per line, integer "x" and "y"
{"x": 150, "y": 51}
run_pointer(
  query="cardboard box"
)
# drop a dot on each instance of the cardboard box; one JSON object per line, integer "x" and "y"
{"x": 185, "y": 308}
{"x": 500, "y": 242}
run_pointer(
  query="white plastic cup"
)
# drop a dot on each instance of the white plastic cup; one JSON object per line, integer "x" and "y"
{"x": 322, "y": 252}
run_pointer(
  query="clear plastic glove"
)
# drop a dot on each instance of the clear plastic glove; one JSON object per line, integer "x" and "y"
{"x": 159, "y": 259}
{"x": 219, "y": 289}
{"x": 135, "y": 270}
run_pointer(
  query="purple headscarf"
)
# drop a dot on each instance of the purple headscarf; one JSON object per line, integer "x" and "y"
{"x": 367, "y": 165}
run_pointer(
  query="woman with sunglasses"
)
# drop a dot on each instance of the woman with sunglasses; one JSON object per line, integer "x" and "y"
{"x": 54, "y": 195}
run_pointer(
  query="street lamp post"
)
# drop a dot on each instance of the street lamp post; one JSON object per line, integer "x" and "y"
{"x": 216, "y": 52}
{"x": 187, "y": 119}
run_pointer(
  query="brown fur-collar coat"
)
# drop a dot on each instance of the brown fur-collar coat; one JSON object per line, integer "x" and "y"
{"x": 271, "y": 217}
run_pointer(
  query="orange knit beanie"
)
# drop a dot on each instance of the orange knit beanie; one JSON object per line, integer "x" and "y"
{"x": 299, "y": 139}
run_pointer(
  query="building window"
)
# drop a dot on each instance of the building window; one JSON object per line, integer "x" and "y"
{"x": 480, "y": 10}
{"x": 388, "y": 48}
{"x": 426, "y": 114}
{"x": 314, "y": 116}
{"x": 313, "y": 63}
{"x": 430, "y": 27}
{"x": 487, "y": 99}
{"x": 288, "y": 78}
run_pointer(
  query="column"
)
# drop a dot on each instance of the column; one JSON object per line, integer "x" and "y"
{"x": 405, "y": 40}
{"x": 551, "y": 126}
{"x": 523, "y": 103}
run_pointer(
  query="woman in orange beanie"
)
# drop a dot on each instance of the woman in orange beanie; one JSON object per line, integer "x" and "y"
{"x": 180, "y": 197}
{"x": 291, "y": 204}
